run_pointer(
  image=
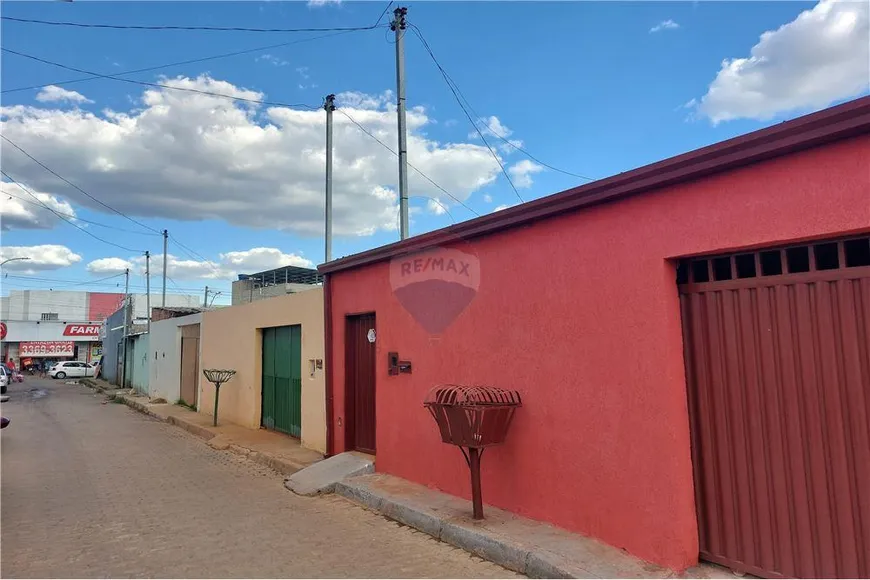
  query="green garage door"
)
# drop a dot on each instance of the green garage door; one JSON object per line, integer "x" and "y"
{"x": 282, "y": 379}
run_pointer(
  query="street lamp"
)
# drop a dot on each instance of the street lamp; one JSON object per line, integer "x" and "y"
{"x": 12, "y": 260}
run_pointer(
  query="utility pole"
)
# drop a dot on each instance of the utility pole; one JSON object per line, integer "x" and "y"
{"x": 329, "y": 105}
{"x": 398, "y": 26}
{"x": 148, "y": 288}
{"x": 126, "y": 327}
{"x": 205, "y": 300}
{"x": 165, "y": 240}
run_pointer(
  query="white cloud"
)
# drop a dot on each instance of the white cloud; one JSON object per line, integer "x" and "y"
{"x": 436, "y": 206}
{"x": 53, "y": 94}
{"x": 487, "y": 198}
{"x": 109, "y": 266}
{"x": 664, "y": 25}
{"x": 227, "y": 267}
{"x": 318, "y": 3}
{"x": 18, "y": 210}
{"x": 259, "y": 259}
{"x": 503, "y": 206}
{"x": 44, "y": 257}
{"x": 272, "y": 59}
{"x": 820, "y": 57}
{"x": 521, "y": 172}
{"x": 493, "y": 127}
{"x": 191, "y": 156}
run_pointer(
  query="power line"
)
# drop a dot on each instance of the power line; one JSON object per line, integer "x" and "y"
{"x": 61, "y": 216}
{"x": 452, "y": 85}
{"x": 78, "y": 282}
{"x": 86, "y": 282}
{"x": 179, "y": 27}
{"x": 68, "y": 182}
{"x": 381, "y": 17}
{"x": 191, "y": 253}
{"x": 83, "y": 283}
{"x": 179, "y": 289}
{"x": 159, "y": 85}
{"x": 437, "y": 201}
{"x": 391, "y": 150}
{"x": 98, "y": 201}
{"x": 467, "y": 114}
{"x": 179, "y": 63}
{"x": 78, "y": 218}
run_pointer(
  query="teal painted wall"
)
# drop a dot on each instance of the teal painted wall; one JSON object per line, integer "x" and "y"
{"x": 140, "y": 363}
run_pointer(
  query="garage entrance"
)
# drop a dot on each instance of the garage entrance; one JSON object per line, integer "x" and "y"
{"x": 282, "y": 379}
{"x": 777, "y": 352}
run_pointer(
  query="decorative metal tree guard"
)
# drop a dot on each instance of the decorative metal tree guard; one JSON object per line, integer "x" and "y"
{"x": 475, "y": 418}
{"x": 217, "y": 377}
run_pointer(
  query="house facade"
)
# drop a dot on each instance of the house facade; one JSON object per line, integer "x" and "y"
{"x": 174, "y": 371}
{"x": 695, "y": 345}
{"x": 275, "y": 345}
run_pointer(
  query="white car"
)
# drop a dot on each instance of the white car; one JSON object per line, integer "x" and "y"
{"x": 66, "y": 369}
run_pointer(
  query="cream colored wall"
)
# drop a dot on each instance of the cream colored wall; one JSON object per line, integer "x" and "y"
{"x": 231, "y": 338}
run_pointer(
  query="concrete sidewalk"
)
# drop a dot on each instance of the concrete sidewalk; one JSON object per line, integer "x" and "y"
{"x": 529, "y": 547}
{"x": 280, "y": 452}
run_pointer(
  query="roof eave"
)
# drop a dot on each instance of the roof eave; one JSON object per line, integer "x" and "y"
{"x": 833, "y": 124}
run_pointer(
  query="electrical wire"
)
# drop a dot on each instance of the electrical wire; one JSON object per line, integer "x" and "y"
{"x": 437, "y": 201}
{"x": 178, "y": 63}
{"x": 391, "y": 150}
{"x": 99, "y": 282}
{"x": 207, "y": 261}
{"x": 159, "y": 85}
{"x": 467, "y": 114}
{"x": 78, "y": 218}
{"x": 399, "y": 209}
{"x": 76, "y": 282}
{"x": 86, "y": 282}
{"x": 381, "y": 17}
{"x": 61, "y": 216}
{"x": 71, "y": 184}
{"x": 182, "y": 292}
{"x": 178, "y": 27}
{"x": 457, "y": 93}
{"x": 195, "y": 256}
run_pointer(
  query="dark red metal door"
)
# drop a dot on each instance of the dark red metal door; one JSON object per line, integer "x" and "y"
{"x": 777, "y": 350}
{"x": 360, "y": 382}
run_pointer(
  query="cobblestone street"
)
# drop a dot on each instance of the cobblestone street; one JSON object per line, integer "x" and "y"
{"x": 98, "y": 490}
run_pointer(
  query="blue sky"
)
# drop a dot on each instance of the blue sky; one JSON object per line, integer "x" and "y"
{"x": 591, "y": 88}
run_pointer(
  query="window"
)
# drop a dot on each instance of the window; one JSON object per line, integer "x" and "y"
{"x": 49, "y": 316}
{"x": 816, "y": 258}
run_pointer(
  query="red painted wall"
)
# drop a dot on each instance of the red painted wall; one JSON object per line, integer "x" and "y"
{"x": 102, "y": 304}
{"x": 580, "y": 313}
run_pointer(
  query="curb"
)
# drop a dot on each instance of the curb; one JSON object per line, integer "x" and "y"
{"x": 498, "y": 551}
{"x": 282, "y": 466}
{"x": 520, "y": 554}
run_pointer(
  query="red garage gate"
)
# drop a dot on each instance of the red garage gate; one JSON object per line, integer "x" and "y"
{"x": 777, "y": 349}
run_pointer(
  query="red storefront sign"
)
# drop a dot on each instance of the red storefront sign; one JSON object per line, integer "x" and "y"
{"x": 3, "y": 330}
{"x": 82, "y": 330}
{"x": 50, "y": 348}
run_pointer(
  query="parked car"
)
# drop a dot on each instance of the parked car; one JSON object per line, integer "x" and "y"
{"x": 66, "y": 369}
{"x": 5, "y": 378}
